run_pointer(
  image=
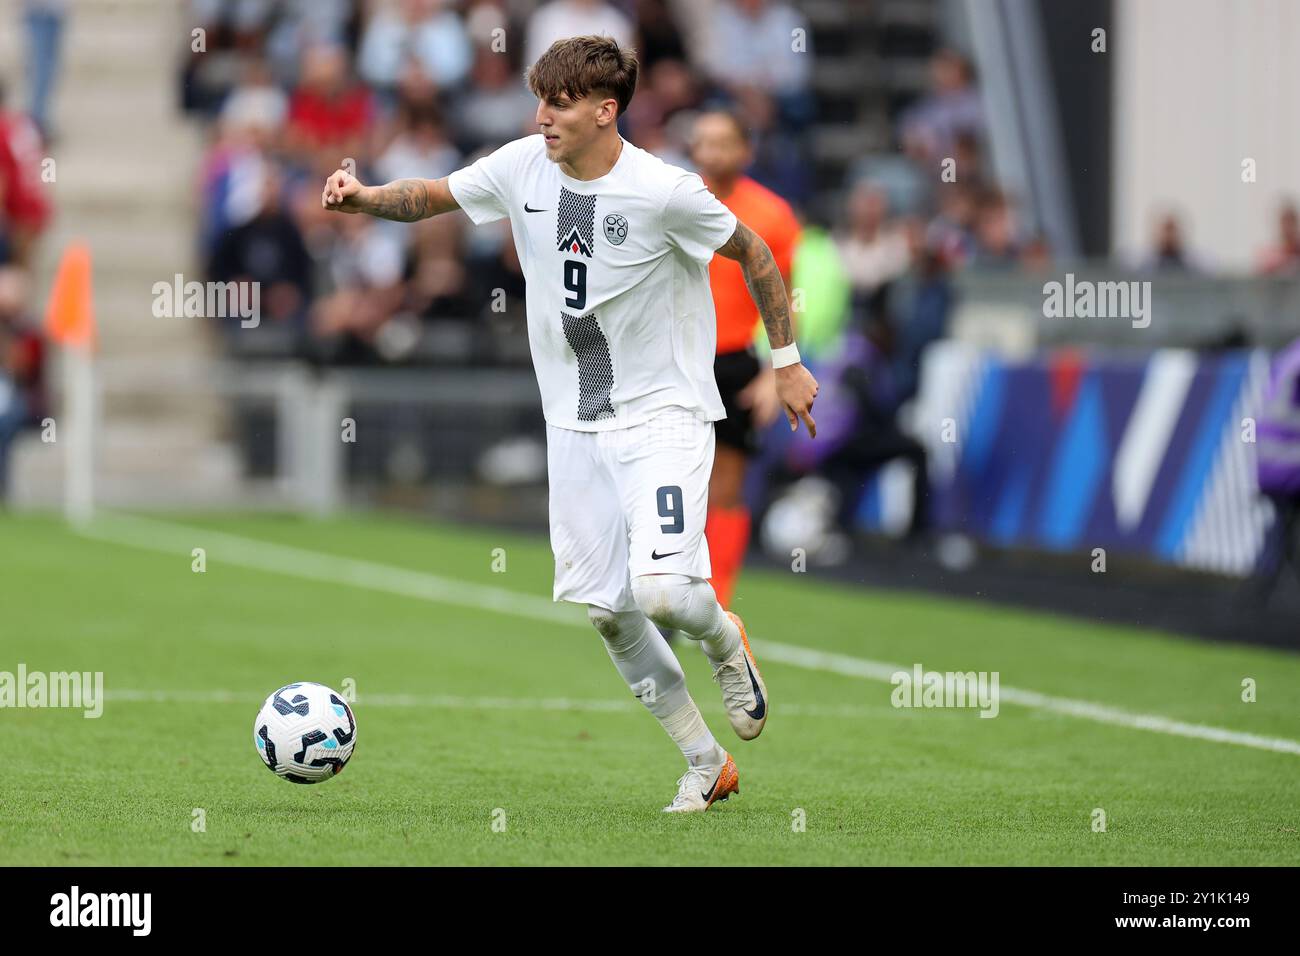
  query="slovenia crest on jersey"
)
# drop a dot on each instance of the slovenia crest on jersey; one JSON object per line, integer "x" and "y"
{"x": 615, "y": 229}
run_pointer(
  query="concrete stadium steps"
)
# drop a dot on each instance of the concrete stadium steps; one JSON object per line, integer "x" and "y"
{"x": 153, "y": 174}
{"x": 130, "y": 389}
{"x": 869, "y": 55}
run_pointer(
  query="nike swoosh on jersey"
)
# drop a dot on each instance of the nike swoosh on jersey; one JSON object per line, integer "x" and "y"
{"x": 528, "y": 208}
{"x": 655, "y": 555}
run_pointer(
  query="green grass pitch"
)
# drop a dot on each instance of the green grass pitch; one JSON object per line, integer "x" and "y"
{"x": 478, "y": 715}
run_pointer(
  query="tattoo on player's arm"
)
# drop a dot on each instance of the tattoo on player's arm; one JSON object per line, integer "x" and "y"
{"x": 403, "y": 200}
{"x": 763, "y": 278}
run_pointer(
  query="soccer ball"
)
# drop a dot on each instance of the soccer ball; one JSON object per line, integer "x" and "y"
{"x": 305, "y": 733}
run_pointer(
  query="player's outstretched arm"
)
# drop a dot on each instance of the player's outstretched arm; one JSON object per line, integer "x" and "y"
{"x": 795, "y": 385}
{"x": 403, "y": 200}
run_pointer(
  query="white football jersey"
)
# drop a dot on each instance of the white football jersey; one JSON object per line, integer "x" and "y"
{"x": 620, "y": 313}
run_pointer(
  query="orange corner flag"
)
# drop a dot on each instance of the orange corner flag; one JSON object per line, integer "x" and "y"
{"x": 70, "y": 318}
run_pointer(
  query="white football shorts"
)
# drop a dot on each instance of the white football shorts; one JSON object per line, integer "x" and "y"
{"x": 626, "y": 502}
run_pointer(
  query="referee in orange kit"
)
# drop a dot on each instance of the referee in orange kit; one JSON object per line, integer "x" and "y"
{"x": 720, "y": 149}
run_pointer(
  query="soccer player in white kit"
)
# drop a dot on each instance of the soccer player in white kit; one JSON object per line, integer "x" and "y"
{"x": 615, "y": 246}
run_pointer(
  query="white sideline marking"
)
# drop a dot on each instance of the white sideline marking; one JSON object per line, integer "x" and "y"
{"x": 317, "y": 566}
{"x": 452, "y": 702}
{"x": 283, "y": 559}
{"x": 1087, "y": 710}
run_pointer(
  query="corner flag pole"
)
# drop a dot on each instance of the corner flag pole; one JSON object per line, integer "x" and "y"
{"x": 70, "y": 322}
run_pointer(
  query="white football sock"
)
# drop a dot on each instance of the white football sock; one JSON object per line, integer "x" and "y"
{"x": 655, "y": 676}
{"x": 689, "y": 605}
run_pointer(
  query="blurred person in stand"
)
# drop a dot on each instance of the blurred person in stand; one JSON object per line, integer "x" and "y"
{"x": 880, "y": 370}
{"x": 330, "y": 113}
{"x": 250, "y": 124}
{"x": 439, "y": 282}
{"x": 658, "y": 36}
{"x": 266, "y": 248}
{"x": 780, "y": 162}
{"x": 366, "y": 267}
{"x": 418, "y": 145}
{"x": 561, "y": 19}
{"x": 867, "y": 376}
{"x": 924, "y": 305}
{"x": 257, "y": 101}
{"x": 661, "y": 117}
{"x": 665, "y": 89}
{"x": 494, "y": 108}
{"x": 294, "y": 26}
{"x": 1278, "y": 467}
{"x": 437, "y": 272}
{"x": 1169, "y": 252}
{"x": 483, "y": 17}
{"x": 428, "y": 32}
{"x": 44, "y": 22}
{"x": 1036, "y": 254}
{"x": 930, "y": 130}
{"x": 873, "y": 249}
{"x": 24, "y": 210}
{"x": 416, "y": 92}
{"x": 21, "y": 363}
{"x": 1283, "y": 258}
{"x": 997, "y": 245}
{"x": 968, "y": 159}
{"x": 951, "y": 234}
{"x": 751, "y": 47}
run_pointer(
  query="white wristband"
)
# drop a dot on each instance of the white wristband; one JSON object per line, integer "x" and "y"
{"x": 785, "y": 355}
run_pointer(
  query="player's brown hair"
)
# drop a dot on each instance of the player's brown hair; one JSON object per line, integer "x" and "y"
{"x": 581, "y": 66}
